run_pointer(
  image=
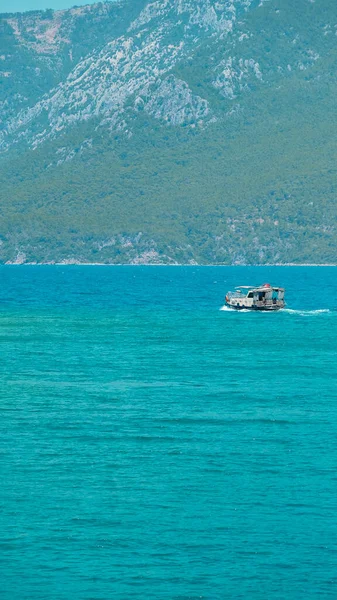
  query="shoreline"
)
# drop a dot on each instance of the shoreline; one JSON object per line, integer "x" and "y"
{"x": 78, "y": 264}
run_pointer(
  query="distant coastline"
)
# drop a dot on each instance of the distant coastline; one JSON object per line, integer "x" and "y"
{"x": 97, "y": 264}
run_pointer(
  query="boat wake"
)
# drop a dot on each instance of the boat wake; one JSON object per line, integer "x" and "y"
{"x": 289, "y": 311}
{"x": 227, "y": 309}
{"x": 306, "y": 313}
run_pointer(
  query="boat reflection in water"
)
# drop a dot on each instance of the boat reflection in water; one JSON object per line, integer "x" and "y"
{"x": 265, "y": 298}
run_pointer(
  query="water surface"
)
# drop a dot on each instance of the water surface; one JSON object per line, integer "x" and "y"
{"x": 156, "y": 447}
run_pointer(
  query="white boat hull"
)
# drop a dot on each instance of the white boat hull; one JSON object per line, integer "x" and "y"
{"x": 272, "y": 308}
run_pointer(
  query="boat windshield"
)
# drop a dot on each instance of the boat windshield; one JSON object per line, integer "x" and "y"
{"x": 236, "y": 294}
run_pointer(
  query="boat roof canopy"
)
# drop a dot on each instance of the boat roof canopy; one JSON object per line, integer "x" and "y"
{"x": 261, "y": 288}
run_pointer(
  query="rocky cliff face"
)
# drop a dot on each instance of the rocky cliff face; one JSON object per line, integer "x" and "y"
{"x": 131, "y": 72}
{"x": 134, "y": 71}
{"x": 71, "y": 77}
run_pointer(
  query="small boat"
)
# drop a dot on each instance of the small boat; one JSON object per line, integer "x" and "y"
{"x": 264, "y": 297}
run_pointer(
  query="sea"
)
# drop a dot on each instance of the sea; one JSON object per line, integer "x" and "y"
{"x": 156, "y": 446}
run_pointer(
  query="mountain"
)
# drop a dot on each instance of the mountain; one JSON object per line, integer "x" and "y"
{"x": 173, "y": 131}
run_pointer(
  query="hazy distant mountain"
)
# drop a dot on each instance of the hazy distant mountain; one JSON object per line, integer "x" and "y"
{"x": 170, "y": 131}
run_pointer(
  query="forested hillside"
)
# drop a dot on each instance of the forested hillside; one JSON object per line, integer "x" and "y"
{"x": 181, "y": 131}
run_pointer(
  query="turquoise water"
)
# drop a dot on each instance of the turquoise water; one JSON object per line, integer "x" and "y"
{"x": 156, "y": 447}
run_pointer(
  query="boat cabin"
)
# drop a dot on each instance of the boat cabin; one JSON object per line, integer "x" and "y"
{"x": 264, "y": 297}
